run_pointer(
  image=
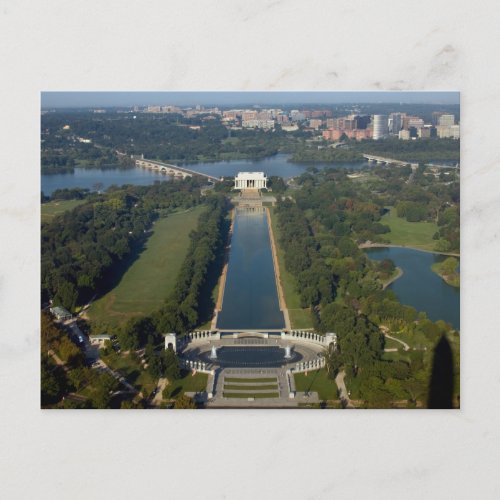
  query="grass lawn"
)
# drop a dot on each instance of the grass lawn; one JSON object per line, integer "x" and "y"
{"x": 55, "y": 208}
{"x": 149, "y": 280}
{"x": 246, "y": 395}
{"x": 316, "y": 381}
{"x": 188, "y": 383}
{"x": 131, "y": 368}
{"x": 299, "y": 318}
{"x": 246, "y": 387}
{"x": 392, "y": 344}
{"x": 411, "y": 234}
{"x": 250, "y": 380}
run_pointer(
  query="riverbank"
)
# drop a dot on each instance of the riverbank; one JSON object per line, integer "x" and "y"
{"x": 389, "y": 245}
{"x": 447, "y": 271}
{"x": 392, "y": 279}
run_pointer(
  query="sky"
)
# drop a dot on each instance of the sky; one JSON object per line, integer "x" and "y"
{"x": 110, "y": 99}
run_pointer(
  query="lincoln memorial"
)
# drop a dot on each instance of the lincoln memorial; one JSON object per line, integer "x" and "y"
{"x": 250, "y": 180}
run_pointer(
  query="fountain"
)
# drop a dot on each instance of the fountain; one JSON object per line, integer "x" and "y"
{"x": 213, "y": 353}
{"x": 288, "y": 351}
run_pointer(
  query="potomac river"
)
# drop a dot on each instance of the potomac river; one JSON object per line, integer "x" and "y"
{"x": 274, "y": 165}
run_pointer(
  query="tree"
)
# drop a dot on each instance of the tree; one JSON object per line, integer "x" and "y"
{"x": 171, "y": 363}
{"x": 184, "y": 403}
{"x": 52, "y": 382}
{"x": 333, "y": 361}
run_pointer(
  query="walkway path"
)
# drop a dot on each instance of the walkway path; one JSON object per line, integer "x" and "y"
{"x": 162, "y": 382}
{"x": 344, "y": 395}
{"x": 385, "y": 330}
{"x": 406, "y": 347}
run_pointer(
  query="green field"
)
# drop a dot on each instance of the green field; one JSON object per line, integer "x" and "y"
{"x": 299, "y": 318}
{"x": 148, "y": 281}
{"x": 54, "y": 208}
{"x": 410, "y": 234}
{"x": 188, "y": 383}
{"x": 316, "y": 381}
{"x": 131, "y": 368}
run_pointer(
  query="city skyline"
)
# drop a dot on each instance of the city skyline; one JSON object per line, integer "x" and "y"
{"x": 56, "y": 99}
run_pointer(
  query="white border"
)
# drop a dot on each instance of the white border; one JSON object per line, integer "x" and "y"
{"x": 213, "y": 45}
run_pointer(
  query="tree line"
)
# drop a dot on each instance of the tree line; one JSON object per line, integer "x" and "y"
{"x": 84, "y": 249}
{"x": 344, "y": 289}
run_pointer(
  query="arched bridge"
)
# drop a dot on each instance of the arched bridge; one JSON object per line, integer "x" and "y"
{"x": 390, "y": 161}
{"x": 172, "y": 169}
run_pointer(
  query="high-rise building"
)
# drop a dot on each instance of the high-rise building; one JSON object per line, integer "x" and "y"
{"x": 397, "y": 122}
{"x": 415, "y": 122}
{"x": 380, "y": 126}
{"x": 315, "y": 123}
{"x": 362, "y": 121}
{"x": 446, "y": 120}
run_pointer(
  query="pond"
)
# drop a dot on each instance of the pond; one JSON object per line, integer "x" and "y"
{"x": 419, "y": 286}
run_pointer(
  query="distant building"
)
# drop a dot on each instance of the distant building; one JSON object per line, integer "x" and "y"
{"x": 334, "y": 134}
{"x": 446, "y": 120}
{"x": 446, "y": 131}
{"x": 264, "y": 124}
{"x": 60, "y": 313}
{"x": 426, "y": 132}
{"x": 415, "y": 122}
{"x": 297, "y": 116}
{"x": 362, "y": 121}
{"x": 99, "y": 340}
{"x": 380, "y": 126}
{"x": 315, "y": 123}
{"x": 248, "y": 115}
{"x": 281, "y": 118}
{"x": 404, "y": 135}
{"x": 396, "y": 122}
{"x": 250, "y": 180}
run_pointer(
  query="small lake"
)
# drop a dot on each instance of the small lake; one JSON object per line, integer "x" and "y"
{"x": 89, "y": 177}
{"x": 419, "y": 286}
{"x": 250, "y": 298}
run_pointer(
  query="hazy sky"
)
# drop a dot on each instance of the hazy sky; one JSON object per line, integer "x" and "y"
{"x": 91, "y": 99}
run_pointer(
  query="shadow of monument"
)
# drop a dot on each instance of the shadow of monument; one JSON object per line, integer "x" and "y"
{"x": 441, "y": 382}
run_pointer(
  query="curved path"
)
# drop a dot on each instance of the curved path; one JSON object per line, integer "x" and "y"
{"x": 344, "y": 395}
{"x": 406, "y": 347}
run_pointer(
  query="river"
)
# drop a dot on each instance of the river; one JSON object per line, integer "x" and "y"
{"x": 89, "y": 177}
{"x": 419, "y": 286}
{"x": 250, "y": 300}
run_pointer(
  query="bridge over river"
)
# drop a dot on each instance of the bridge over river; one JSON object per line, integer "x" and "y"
{"x": 174, "y": 170}
{"x": 402, "y": 163}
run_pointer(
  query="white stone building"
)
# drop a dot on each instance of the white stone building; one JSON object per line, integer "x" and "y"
{"x": 250, "y": 180}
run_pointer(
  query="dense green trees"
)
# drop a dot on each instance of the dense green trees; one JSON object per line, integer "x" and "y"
{"x": 311, "y": 153}
{"x": 168, "y": 137}
{"x": 181, "y": 309}
{"x": 419, "y": 150}
{"x": 319, "y": 235}
{"x": 83, "y": 249}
